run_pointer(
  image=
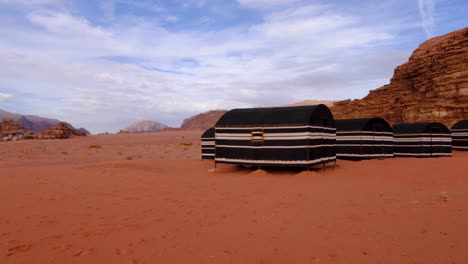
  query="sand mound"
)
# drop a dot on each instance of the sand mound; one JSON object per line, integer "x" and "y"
{"x": 259, "y": 172}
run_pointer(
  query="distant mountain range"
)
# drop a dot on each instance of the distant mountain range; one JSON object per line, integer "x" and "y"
{"x": 145, "y": 126}
{"x": 33, "y": 123}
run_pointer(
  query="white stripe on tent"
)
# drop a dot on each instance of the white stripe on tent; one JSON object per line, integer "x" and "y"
{"x": 459, "y": 134}
{"x": 422, "y": 154}
{"x": 293, "y": 134}
{"x": 207, "y": 143}
{"x": 422, "y": 139}
{"x": 276, "y": 127}
{"x": 277, "y": 161}
{"x": 459, "y": 147}
{"x": 343, "y": 138}
{"x": 273, "y": 147}
{"x": 207, "y": 154}
{"x": 421, "y": 134}
{"x": 208, "y": 138}
{"x": 208, "y": 148}
{"x": 363, "y": 132}
{"x": 363, "y": 145}
{"x": 433, "y": 145}
{"x": 277, "y": 138}
{"x": 363, "y": 155}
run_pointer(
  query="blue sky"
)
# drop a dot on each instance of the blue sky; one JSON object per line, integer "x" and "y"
{"x": 104, "y": 64}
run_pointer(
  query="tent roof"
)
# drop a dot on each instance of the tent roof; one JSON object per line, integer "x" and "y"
{"x": 209, "y": 133}
{"x": 360, "y": 124}
{"x": 422, "y": 127}
{"x": 296, "y": 115}
{"x": 461, "y": 124}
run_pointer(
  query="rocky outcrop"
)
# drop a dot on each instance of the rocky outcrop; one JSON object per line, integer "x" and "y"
{"x": 8, "y": 127}
{"x": 35, "y": 124}
{"x": 145, "y": 126}
{"x": 61, "y": 131}
{"x": 431, "y": 86}
{"x": 202, "y": 121}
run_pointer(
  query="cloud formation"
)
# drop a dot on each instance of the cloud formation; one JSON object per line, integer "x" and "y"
{"x": 5, "y": 96}
{"x": 104, "y": 71}
{"x": 427, "y": 10}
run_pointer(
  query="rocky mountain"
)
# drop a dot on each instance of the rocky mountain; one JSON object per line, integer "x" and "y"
{"x": 431, "y": 86}
{"x": 62, "y": 130}
{"x": 35, "y": 124}
{"x": 202, "y": 121}
{"x": 10, "y": 127}
{"x": 145, "y": 126}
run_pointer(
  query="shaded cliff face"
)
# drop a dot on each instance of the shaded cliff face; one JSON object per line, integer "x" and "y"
{"x": 61, "y": 131}
{"x": 10, "y": 127}
{"x": 202, "y": 121}
{"x": 431, "y": 86}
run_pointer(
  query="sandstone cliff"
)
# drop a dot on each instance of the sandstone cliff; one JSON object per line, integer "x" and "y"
{"x": 10, "y": 127}
{"x": 203, "y": 121}
{"x": 61, "y": 131}
{"x": 431, "y": 86}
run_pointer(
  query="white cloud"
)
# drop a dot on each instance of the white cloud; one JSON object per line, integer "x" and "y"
{"x": 427, "y": 10}
{"x": 5, "y": 96}
{"x": 296, "y": 53}
{"x": 265, "y": 4}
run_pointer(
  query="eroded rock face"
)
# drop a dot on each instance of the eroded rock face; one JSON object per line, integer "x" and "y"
{"x": 9, "y": 127}
{"x": 431, "y": 86}
{"x": 203, "y": 121}
{"x": 61, "y": 131}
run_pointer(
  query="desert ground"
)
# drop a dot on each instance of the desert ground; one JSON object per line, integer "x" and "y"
{"x": 148, "y": 198}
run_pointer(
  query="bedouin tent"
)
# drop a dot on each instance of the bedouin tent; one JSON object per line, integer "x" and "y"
{"x": 363, "y": 138}
{"x": 431, "y": 139}
{"x": 302, "y": 136}
{"x": 208, "y": 144}
{"x": 460, "y": 135}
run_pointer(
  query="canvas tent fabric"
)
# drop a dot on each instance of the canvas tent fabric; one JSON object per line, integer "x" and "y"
{"x": 460, "y": 135}
{"x": 302, "y": 136}
{"x": 208, "y": 144}
{"x": 363, "y": 138}
{"x": 430, "y": 139}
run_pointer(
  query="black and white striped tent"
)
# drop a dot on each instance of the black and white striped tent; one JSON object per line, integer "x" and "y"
{"x": 208, "y": 144}
{"x": 302, "y": 136}
{"x": 430, "y": 139}
{"x": 363, "y": 138}
{"x": 460, "y": 135}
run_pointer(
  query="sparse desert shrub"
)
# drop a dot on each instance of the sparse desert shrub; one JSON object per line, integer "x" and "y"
{"x": 129, "y": 158}
{"x": 96, "y": 146}
{"x": 64, "y": 153}
{"x": 185, "y": 144}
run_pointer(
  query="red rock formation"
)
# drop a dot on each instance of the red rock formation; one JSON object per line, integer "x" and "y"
{"x": 431, "y": 86}
{"x": 10, "y": 127}
{"x": 61, "y": 131}
{"x": 203, "y": 121}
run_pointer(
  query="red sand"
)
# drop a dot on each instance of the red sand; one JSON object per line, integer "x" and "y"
{"x": 147, "y": 198}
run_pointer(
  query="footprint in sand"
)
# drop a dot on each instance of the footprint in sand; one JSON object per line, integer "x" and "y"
{"x": 18, "y": 249}
{"x": 84, "y": 252}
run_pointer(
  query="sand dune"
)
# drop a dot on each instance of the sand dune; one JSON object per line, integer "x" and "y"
{"x": 148, "y": 198}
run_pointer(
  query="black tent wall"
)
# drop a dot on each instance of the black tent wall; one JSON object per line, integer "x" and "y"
{"x": 363, "y": 138}
{"x": 431, "y": 139}
{"x": 301, "y": 136}
{"x": 208, "y": 144}
{"x": 460, "y": 135}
